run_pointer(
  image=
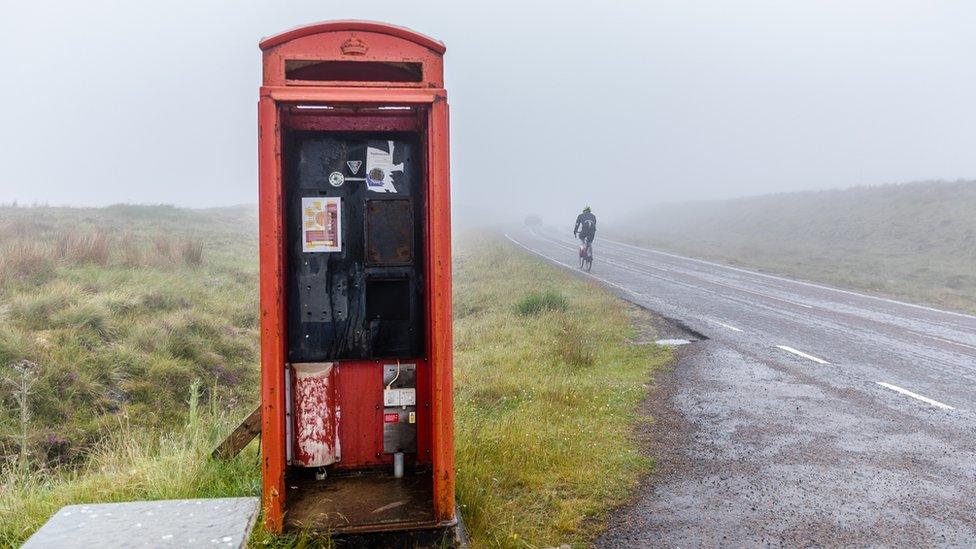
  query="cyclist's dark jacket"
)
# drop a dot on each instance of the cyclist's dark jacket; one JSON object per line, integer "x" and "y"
{"x": 585, "y": 226}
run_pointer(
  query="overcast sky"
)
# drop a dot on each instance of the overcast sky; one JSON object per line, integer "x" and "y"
{"x": 615, "y": 104}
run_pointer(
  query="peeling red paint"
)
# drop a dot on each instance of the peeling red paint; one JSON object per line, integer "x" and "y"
{"x": 316, "y": 417}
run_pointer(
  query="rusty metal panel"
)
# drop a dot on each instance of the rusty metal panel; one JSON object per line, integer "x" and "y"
{"x": 389, "y": 232}
{"x": 316, "y": 414}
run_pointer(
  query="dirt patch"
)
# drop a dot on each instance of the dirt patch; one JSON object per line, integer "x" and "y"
{"x": 666, "y": 435}
{"x": 664, "y": 438}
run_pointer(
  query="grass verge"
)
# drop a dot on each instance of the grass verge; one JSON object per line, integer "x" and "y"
{"x": 546, "y": 399}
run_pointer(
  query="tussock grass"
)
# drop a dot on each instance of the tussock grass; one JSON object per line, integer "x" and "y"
{"x": 539, "y": 302}
{"x": 32, "y": 252}
{"x": 573, "y": 344}
{"x": 90, "y": 316}
{"x": 117, "y": 328}
{"x": 545, "y": 402}
{"x": 191, "y": 252}
{"x": 82, "y": 248}
{"x": 34, "y": 309}
{"x": 25, "y": 260}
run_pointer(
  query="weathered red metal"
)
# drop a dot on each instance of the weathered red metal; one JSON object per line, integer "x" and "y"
{"x": 316, "y": 414}
{"x": 311, "y": 104}
{"x": 271, "y": 285}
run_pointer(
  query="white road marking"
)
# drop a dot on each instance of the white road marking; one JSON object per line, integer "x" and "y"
{"x": 942, "y": 339}
{"x": 760, "y": 294}
{"x": 605, "y": 281}
{"x": 636, "y": 271}
{"x": 724, "y": 325}
{"x": 699, "y": 286}
{"x": 800, "y": 282}
{"x": 786, "y": 348}
{"x": 919, "y": 334}
{"x": 804, "y": 355}
{"x": 917, "y": 396}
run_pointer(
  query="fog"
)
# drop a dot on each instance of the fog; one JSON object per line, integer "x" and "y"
{"x": 613, "y": 104}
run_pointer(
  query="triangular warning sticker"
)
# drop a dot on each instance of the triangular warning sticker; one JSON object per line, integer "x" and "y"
{"x": 354, "y": 165}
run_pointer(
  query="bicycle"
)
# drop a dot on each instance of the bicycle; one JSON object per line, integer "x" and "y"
{"x": 586, "y": 256}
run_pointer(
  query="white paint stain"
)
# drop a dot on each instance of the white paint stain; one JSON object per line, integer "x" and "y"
{"x": 672, "y": 342}
{"x": 317, "y": 428}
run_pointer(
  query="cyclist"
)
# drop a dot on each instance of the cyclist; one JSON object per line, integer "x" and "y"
{"x": 585, "y": 228}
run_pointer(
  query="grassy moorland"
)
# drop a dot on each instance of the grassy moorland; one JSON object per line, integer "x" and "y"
{"x": 121, "y": 309}
{"x": 139, "y": 328}
{"x": 913, "y": 241}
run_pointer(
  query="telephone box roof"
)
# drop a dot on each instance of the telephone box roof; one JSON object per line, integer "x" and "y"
{"x": 354, "y": 25}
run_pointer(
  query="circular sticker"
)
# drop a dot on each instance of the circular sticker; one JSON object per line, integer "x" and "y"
{"x": 336, "y": 179}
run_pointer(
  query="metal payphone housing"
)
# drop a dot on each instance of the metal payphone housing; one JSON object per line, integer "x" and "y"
{"x": 355, "y": 280}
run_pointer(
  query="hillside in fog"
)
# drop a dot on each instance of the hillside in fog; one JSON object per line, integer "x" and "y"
{"x": 915, "y": 241}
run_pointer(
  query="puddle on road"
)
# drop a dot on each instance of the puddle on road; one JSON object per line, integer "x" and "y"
{"x": 672, "y": 342}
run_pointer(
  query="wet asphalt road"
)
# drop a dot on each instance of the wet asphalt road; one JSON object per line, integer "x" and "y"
{"x": 810, "y": 416}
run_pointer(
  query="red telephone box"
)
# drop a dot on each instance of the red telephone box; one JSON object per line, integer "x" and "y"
{"x": 356, "y": 391}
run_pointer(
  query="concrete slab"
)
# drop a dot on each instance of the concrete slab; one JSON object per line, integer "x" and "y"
{"x": 223, "y": 522}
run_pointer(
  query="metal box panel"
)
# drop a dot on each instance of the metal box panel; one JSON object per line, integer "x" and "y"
{"x": 399, "y": 417}
{"x": 389, "y": 232}
{"x": 379, "y": 184}
{"x": 315, "y": 302}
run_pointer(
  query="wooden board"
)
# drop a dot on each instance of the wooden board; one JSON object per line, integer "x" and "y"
{"x": 240, "y": 437}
